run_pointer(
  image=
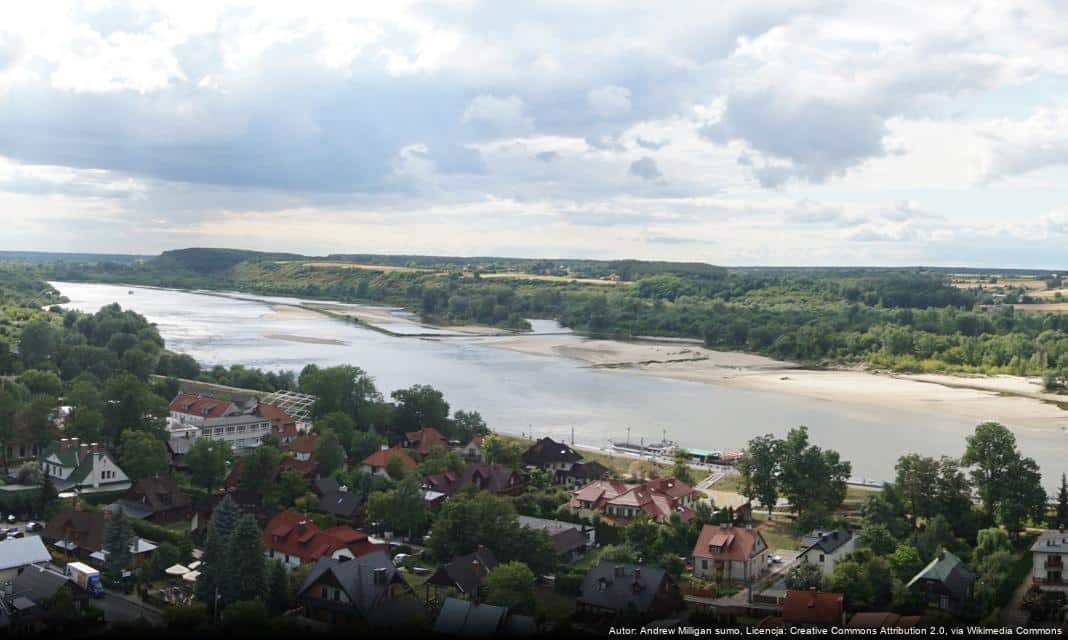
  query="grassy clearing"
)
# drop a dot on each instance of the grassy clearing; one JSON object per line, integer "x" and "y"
{"x": 1049, "y": 307}
{"x": 779, "y": 532}
{"x": 367, "y": 267}
{"x": 534, "y": 276}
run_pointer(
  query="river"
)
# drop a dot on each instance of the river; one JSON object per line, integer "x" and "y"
{"x": 524, "y": 394}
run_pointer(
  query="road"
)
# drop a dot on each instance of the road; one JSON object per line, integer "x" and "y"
{"x": 119, "y": 607}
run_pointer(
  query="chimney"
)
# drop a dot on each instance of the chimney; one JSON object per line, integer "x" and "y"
{"x": 83, "y": 451}
{"x": 301, "y": 525}
{"x": 64, "y": 443}
{"x": 637, "y": 573}
{"x": 384, "y": 448}
{"x": 620, "y": 571}
{"x": 74, "y": 443}
{"x": 380, "y": 575}
{"x": 96, "y": 447}
{"x": 476, "y": 567}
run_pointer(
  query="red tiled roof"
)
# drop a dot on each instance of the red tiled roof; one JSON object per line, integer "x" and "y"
{"x": 425, "y": 439}
{"x": 813, "y": 607}
{"x": 379, "y": 459}
{"x": 282, "y": 424}
{"x": 670, "y": 486}
{"x": 648, "y": 497}
{"x": 734, "y": 543}
{"x": 306, "y": 468}
{"x": 200, "y": 406}
{"x": 292, "y": 534}
{"x": 303, "y": 444}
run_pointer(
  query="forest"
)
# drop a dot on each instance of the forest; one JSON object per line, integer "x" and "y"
{"x": 902, "y": 319}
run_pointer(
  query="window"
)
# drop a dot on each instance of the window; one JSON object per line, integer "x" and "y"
{"x": 325, "y": 595}
{"x": 821, "y": 557}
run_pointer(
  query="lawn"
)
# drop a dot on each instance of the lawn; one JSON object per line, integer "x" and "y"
{"x": 779, "y": 532}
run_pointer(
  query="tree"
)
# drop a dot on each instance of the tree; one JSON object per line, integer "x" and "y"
{"x": 466, "y": 521}
{"x": 395, "y": 468}
{"x": 497, "y": 449}
{"x": 1022, "y": 496}
{"x": 214, "y": 573}
{"x": 118, "y": 537}
{"x": 206, "y": 460}
{"x": 759, "y": 466}
{"x": 643, "y": 535}
{"x": 142, "y": 455}
{"x": 129, "y": 403}
{"x": 466, "y": 425}
{"x": 992, "y": 452}
{"x": 877, "y": 538}
{"x": 345, "y": 389}
{"x": 278, "y": 600}
{"x": 329, "y": 453}
{"x": 37, "y": 414}
{"x": 245, "y": 615}
{"x": 886, "y": 508}
{"x": 439, "y": 460}
{"x": 60, "y": 611}
{"x": 47, "y": 496}
{"x": 363, "y": 444}
{"x": 341, "y": 424}
{"x": 511, "y": 585}
{"x": 990, "y": 541}
{"x": 937, "y": 535}
{"x": 1061, "y": 514}
{"x": 905, "y": 562}
{"x": 419, "y": 406}
{"x": 258, "y": 469}
{"x": 402, "y": 509}
{"x": 680, "y": 468}
{"x": 9, "y": 408}
{"x": 811, "y": 477}
{"x": 916, "y": 476}
{"x": 245, "y": 562}
{"x": 42, "y": 382}
{"x": 290, "y": 485}
{"x": 804, "y": 576}
{"x": 37, "y": 344}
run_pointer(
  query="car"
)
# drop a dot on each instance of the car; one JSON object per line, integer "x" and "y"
{"x": 11, "y": 519}
{"x": 34, "y": 526}
{"x": 774, "y": 559}
{"x": 399, "y": 559}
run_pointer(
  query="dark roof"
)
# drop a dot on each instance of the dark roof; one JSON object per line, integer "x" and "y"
{"x": 357, "y": 578}
{"x": 340, "y": 503}
{"x": 157, "y": 494}
{"x": 813, "y": 608}
{"x": 589, "y": 470}
{"x": 614, "y": 586}
{"x": 951, "y": 571}
{"x": 493, "y": 477}
{"x": 326, "y": 485}
{"x": 827, "y": 541}
{"x": 547, "y": 451}
{"x": 460, "y": 572}
{"x": 38, "y": 583}
{"x": 84, "y": 528}
{"x": 467, "y": 619}
{"x": 567, "y": 540}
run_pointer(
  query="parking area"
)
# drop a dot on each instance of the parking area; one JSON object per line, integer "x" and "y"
{"x": 11, "y": 527}
{"x": 777, "y": 574}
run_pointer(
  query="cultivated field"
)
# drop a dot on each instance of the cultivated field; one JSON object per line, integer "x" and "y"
{"x": 535, "y": 276}
{"x": 368, "y": 267}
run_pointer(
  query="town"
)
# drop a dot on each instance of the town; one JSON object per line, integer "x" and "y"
{"x": 321, "y": 506}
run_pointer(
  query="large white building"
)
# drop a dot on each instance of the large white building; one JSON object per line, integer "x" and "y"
{"x": 825, "y": 548}
{"x": 240, "y": 425}
{"x": 1050, "y": 554}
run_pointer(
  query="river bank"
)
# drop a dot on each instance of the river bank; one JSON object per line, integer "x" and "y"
{"x": 1014, "y": 400}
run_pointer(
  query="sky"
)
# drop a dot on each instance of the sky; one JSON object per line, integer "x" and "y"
{"x": 738, "y": 133}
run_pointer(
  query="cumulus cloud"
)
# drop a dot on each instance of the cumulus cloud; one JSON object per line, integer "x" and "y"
{"x": 1020, "y": 146}
{"x": 645, "y": 168}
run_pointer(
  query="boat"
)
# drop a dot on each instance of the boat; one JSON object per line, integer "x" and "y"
{"x": 130, "y": 292}
{"x": 662, "y": 448}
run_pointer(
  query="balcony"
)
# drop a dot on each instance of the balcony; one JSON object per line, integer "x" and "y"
{"x": 1054, "y": 563}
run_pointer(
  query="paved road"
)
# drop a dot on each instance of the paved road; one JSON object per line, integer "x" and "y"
{"x": 119, "y": 607}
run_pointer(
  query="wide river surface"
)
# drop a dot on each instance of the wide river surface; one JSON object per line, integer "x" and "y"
{"x": 526, "y": 394}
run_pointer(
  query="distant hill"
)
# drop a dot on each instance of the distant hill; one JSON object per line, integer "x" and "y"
{"x": 37, "y": 257}
{"x": 204, "y": 260}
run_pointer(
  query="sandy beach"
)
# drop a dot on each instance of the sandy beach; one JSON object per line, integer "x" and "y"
{"x": 1013, "y": 400}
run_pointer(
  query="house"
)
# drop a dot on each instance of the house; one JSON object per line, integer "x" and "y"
{"x": 883, "y": 620}
{"x": 295, "y": 540}
{"x": 365, "y": 590}
{"x": 377, "y": 462}
{"x": 158, "y": 500}
{"x": 946, "y": 583}
{"x": 423, "y": 440}
{"x": 342, "y": 503}
{"x": 472, "y": 619}
{"x": 81, "y": 467}
{"x": 308, "y": 469}
{"x": 730, "y": 554}
{"x": 570, "y": 539}
{"x": 549, "y": 454}
{"x": 40, "y": 584}
{"x": 243, "y": 425}
{"x": 495, "y": 478}
{"x": 813, "y": 608}
{"x": 141, "y": 551}
{"x": 618, "y": 502}
{"x": 1049, "y": 555}
{"x": 178, "y": 445}
{"x": 465, "y": 573}
{"x": 16, "y": 554}
{"x": 612, "y": 589}
{"x": 472, "y": 451}
{"x": 825, "y": 548}
{"x": 76, "y": 531}
{"x": 326, "y": 485}
{"x": 303, "y": 447}
{"x": 283, "y": 425}
{"x": 583, "y": 473}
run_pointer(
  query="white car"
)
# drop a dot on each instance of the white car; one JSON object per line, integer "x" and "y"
{"x": 774, "y": 559}
{"x": 399, "y": 559}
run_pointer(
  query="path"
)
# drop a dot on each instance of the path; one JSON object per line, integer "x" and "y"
{"x": 1012, "y": 615}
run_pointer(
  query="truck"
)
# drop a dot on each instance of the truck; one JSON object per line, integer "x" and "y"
{"x": 86, "y": 577}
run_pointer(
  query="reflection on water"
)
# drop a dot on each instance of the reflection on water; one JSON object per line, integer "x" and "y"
{"x": 525, "y": 394}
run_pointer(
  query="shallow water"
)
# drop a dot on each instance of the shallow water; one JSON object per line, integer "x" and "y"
{"x": 525, "y": 394}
